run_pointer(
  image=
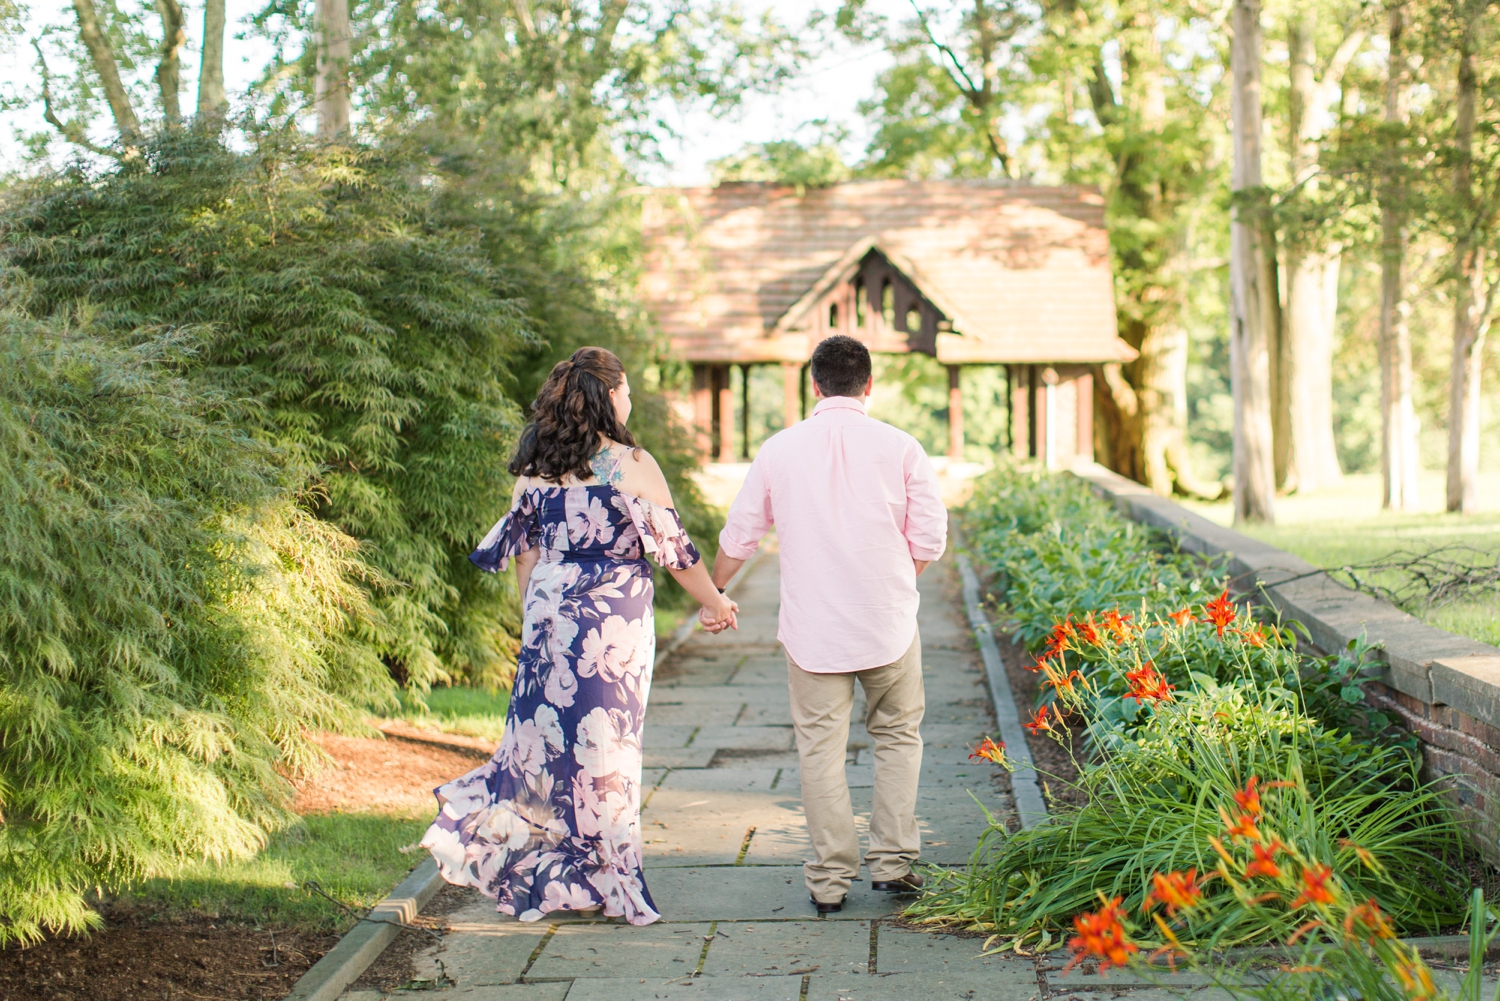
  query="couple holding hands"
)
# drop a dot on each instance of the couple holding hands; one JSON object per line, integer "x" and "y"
{"x": 552, "y": 821}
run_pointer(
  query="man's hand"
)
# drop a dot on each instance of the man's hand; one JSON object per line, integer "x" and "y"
{"x": 921, "y": 565}
{"x": 715, "y": 625}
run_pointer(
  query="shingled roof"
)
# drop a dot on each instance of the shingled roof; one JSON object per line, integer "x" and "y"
{"x": 1022, "y": 272}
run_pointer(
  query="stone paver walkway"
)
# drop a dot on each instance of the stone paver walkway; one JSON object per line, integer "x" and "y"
{"x": 725, "y": 840}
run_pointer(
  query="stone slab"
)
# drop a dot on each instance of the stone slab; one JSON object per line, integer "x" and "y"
{"x": 900, "y": 951}
{"x": 688, "y": 757}
{"x": 661, "y": 951}
{"x": 751, "y": 778}
{"x": 556, "y": 991}
{"x": 1470, "y": 684}
{"x": 1144, "y": 994}
{"x": 943, "y": 986}
{"x": 753, "y": 893}
{"x": 789, "y": 948}
{"x": 481, "y": 947}
{"x": 698, "y": 989}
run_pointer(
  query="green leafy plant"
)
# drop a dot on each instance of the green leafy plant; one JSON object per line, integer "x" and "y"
{"x": 172, "y": 621}
{"x": 331, "y": 286}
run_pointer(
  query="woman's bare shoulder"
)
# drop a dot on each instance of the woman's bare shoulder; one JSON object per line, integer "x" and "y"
{"x": 641, "y": 476}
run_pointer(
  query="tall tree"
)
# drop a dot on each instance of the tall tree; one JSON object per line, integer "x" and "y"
{"x": 107, "y": 67}
{"x": 331, "y": 88}
{"x": 211, "y": 98}
{"x": 1306, "y": 454}
{"x": 1252, "y": 278}
{"x": 1142, "y": 135}
{"x": 169, "y": 69}
{"x": 1399, "y": 461}
{"x": 1473, "y": 262}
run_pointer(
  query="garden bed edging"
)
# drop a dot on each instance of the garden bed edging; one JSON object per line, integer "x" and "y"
{"x": 1444, "y": 688}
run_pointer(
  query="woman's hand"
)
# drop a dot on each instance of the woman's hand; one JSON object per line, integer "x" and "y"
{"x": 720, "y": 615}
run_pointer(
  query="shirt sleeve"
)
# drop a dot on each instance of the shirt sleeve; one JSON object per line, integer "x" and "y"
{"x": 926, "y": 528}
{"x": 750, "y": 516}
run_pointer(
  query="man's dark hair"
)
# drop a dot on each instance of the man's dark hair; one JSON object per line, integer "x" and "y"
{"x": 841, "y": 366}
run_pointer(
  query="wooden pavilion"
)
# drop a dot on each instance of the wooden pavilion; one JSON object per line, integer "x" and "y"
{"x": 969, "y": 272}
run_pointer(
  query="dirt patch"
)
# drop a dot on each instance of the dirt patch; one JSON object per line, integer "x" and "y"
{"x": 136, "y": 958}
{"x": 1054, "y": 758}
{"x": 374, "y": 774}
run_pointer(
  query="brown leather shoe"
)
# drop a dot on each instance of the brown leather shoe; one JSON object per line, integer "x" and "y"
{"x": 833, "y": 908}
{"x": 910, "y": 883}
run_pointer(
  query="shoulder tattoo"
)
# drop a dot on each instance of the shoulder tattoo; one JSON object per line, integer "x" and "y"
{"x": 606, "y": 467}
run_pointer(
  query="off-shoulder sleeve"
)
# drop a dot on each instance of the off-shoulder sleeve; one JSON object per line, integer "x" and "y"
{"x": 662, "y": 534}
{"x": 515, "y": 533}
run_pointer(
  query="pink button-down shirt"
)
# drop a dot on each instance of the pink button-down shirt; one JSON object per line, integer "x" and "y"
{"x": 853, "y": 501}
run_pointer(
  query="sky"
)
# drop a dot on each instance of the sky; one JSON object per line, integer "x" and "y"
{"x": 831, "y": 90}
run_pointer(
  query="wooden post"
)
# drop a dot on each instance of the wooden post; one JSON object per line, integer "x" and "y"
{"x": 744, "y": 413}
{"x": 955, "y": 414}
{"x": 1048, "y": 439}
{"x": 791, "y": 393}
{"x": 726, "y": 416}
{"x": 1085, "y": 391}
{"x": 703, "y": 417}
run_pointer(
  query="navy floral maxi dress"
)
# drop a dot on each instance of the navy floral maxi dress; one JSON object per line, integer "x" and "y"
{"x": 553, "y": 820}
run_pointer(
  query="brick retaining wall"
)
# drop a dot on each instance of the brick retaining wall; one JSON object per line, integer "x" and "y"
{"x": 1444, "y": 688}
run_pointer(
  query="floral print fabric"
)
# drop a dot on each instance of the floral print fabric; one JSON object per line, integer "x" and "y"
{"x": 552, "y": 821}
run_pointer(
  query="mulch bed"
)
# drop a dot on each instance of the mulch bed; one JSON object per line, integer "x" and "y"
{"x": 1054, "y": 758}
{"x": 139, "y": 956}
{"x": 141, "y": 959}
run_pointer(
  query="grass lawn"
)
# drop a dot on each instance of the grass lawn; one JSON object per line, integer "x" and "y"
{"x": 1345, "y": 526}
{"x": 471, "y": 712}
{"x": 355, "y": 857}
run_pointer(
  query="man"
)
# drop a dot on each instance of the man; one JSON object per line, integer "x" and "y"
{"x": 857, "y": 512}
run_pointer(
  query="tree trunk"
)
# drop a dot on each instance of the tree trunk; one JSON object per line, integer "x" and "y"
{"x": 211, "y": 99}
{"x": 1470, "y": 312}
{"x": 1399, "y": 460}
{"x": 169, "y": 68}
{"x": 103, "y": 58}
{"x": 331, "y": 94}
{"x": 1307, "y": 452}
{"x": 1251, "y": 281}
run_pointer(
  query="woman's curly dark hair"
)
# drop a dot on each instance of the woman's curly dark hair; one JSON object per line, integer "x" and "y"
{"x": 570, "y": 412}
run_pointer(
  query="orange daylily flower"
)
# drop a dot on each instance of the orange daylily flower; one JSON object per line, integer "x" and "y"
{"x": 989, "y": 751}
{"x": 1182, "y": 617}
{"x": 1087, "y": 631}
{"x": 1176, "y": 891}
{"x": 1101, "y": 935}
{"x": 1039, "y": 722}
{"x": 1248, "y": 799}
{"x": 1065, "y": 684}
{"x": 1146, "y": 683}
{"x": 1416, "y": 980}
{"x": 1363, "y": 854}
{"x": 1264, "y": 863}
{"x": 1252, "y": 636}
{"x": 1061, "y": 633}
{"x": 1368, "y": 916}
{"x": 1221, "y": 612}
{"x": 1244, "y": 827}
{"x": 1118, "y": 624}
{"x": 1315, "y": 888}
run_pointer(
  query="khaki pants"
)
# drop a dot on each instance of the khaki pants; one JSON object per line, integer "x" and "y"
{"x": 821, "y": 705}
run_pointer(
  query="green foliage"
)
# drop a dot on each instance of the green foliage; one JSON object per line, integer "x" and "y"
{"x": 172, "y": 622}
{"x": 1154, "y": 804}
{"x": 788, "y": 161}
{"x": 370, "y": 327}
{"x": 1183, "y": 702}
{"x": 461, "y": 709}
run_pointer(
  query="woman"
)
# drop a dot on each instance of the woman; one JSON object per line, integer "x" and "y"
{"x": 552, "y": 822}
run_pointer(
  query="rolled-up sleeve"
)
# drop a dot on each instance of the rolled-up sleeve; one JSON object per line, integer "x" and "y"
{"x": 926, "y": 528}
{"x": 750, "y": 516}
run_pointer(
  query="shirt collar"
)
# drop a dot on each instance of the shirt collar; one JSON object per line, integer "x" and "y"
{"x": 838, "y": 403}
